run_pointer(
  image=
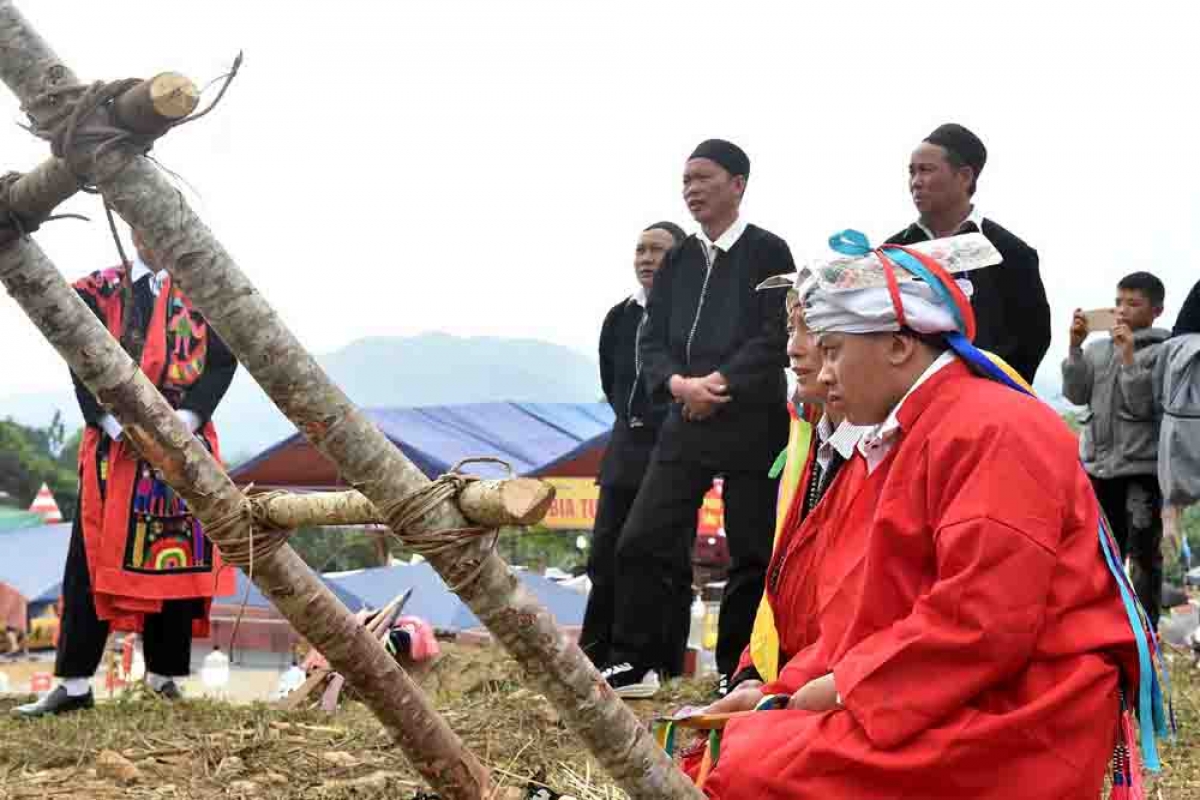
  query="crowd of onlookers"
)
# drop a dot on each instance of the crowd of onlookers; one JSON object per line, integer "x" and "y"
{"x": 693, "y": 366}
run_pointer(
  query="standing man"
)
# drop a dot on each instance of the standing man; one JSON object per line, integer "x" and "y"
{"x": 1009, "y": 301}
{"x": 1119, "y": 448}
{"x": 634, "y": 432}
{"x": 716, "y": 348}
{"x": 138, "y": 559}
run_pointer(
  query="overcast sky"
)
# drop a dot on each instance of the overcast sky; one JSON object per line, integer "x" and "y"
{"x": 484, "y": 168}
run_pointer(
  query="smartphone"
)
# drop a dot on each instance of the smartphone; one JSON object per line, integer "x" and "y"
{"x": 1100, "y": 320}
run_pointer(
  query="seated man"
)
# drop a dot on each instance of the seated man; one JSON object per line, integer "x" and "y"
{"x": 960, "y": 634}
{"x": 815, "y": 454}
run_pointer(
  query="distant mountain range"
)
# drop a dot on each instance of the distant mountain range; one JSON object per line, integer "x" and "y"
{"x": 430, "y": 369}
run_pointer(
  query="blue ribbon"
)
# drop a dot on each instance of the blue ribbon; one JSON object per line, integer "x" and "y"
{"x": 853, "y": 243}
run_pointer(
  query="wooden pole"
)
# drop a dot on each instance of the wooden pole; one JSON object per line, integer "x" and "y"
{"x": 368, "y": 461}
{"x": 152, "y": 426}
{"x": 151, "y": 107}
{"x": 30, "y": 69}
{"x": 488, "y": 503}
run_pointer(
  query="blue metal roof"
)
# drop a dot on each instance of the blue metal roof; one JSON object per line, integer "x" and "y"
{"x": 530, "y": 436}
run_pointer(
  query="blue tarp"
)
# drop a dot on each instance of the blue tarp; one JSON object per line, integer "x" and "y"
{"x": 529, "y": 436}
{"x": 255, "y": 599}
{"x": 433, "y": 601}
{"x": 32, "y": 559}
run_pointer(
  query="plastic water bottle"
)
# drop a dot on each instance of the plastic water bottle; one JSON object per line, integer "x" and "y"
{"x": 137, "y": 669}
{"x": 712, "y": 613}
{"x": 214, "y": 673}
{"x": 696, "y": 629}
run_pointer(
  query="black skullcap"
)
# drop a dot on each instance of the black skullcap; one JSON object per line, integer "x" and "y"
{"x": 670, "y": 227}
{"x": 1188, "y": 320}
{"x": 964, "y": 144}
{"x": 727, "y": 154}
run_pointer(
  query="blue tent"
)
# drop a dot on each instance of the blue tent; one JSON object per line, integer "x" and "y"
{"x": 32, "y": 559}
{"x": 254, "y": 600}
{"x": 257, "y": 600}
{"x": 433, "y": 601}
{"x": 533, "y": 437}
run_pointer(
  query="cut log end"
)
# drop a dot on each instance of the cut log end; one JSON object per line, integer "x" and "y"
{"x": 153, "y": 105}
{"x": 527, "y": 499}
{"x": 173, "y": 96}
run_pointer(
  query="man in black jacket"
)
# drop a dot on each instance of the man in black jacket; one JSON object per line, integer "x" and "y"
{"x": 634, "y": 434}
{"x": 1011, "y": 311}
{"x": 716, "y": 348}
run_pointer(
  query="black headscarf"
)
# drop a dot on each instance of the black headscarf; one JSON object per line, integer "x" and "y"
{"x": 727, "y": 154}
{"x": 964, "y": 144}
{"x": 670, "y": 227}
{"x": 1189, "y": 316}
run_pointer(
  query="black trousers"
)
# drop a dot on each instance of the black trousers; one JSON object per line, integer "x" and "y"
{"x": 166, "y": 638}
{"x": 1133, "y": 505}
{"x": 654, "y": 570}
{"x": 612, "y": 509}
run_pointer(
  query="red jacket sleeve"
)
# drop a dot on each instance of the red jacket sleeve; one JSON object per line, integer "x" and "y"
{"x": 977, "y": 624}
{"x": 801, "y": 668}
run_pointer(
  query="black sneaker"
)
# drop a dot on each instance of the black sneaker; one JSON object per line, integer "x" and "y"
{"x": 169, "y": 691}
{"x": 722, "y": 686}
{"x": 631, "y": 682}
{"x": 57, "y": 702}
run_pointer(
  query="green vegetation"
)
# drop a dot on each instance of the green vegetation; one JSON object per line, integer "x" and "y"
{"x": 30, "y": 457}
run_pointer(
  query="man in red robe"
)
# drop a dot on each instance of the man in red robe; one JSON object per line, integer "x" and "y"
{"x": 138, "y": 560}
{"x": 960, "y": 634}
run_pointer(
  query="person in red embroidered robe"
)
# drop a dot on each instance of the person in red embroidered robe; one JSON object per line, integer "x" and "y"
{"x": 819, "y": 443}
{"x": 138, "y": 560}
{"x": 968, "y": 639}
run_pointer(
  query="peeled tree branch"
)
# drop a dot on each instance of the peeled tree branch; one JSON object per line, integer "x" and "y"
{"x": 489, "y": 503}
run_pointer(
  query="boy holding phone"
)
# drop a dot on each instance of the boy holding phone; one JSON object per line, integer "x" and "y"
{"x": 1120, "y": 449}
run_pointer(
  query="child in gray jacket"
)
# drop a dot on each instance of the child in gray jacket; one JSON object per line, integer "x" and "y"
{"x": 1167, "y": 384}
{"x": 1119, "y": 448}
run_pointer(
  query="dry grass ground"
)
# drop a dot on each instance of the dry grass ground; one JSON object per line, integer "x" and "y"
{"x": 144, "y": 748}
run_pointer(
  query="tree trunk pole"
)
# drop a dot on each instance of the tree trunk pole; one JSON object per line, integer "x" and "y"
{"x": 30, "y": 68}
{"x": 489, "y": 503}
{"x": 152, "y": 426}
{"x": 368, "y": 461}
